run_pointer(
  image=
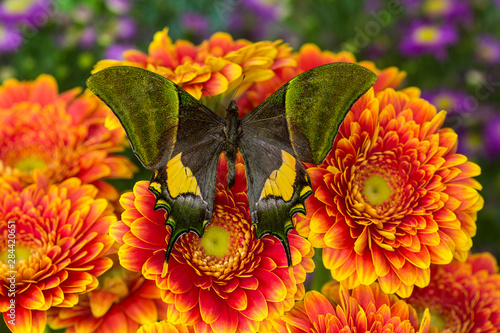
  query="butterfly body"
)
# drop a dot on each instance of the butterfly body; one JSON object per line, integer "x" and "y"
{"x": 181, "y": 140}
{"x": 233, "y": 131}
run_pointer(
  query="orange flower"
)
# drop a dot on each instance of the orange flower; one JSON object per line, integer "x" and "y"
{"x": 61, "y": 135}
{"x": 463, "y": 296}
{"x": 211, "y": 68}
{"x": 163, "y": 327}
{"x": 364, "y": 309}
{"x": 123, "y": 301}
{"x": 309, "y": 57}
{"x": 228, "y": 281}
{"x": 61, "y": 235}
{"x": 392, "y": 196}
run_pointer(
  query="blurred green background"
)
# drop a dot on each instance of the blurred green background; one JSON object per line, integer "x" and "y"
{"x": 449, "y": 49}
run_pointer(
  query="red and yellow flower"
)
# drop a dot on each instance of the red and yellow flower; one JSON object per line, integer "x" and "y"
{"x": 61, "y": 235}
{"x": 228, "y": 281}
{"x": 165, "y": 327}
{"x": 393, "y": 196}
{"x": 463, "y": 296}
{"x": 123, "y": 302}
{"x": 364, "y": 309}
{"x": 61, "y": 135}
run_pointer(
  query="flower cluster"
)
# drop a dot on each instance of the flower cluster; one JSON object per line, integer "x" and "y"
{"x": 393, "y": 210}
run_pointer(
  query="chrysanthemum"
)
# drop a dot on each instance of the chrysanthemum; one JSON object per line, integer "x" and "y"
{"x": 310, "y": 56}
{"x": 61, "y": 235}
{"x": 123, "y": 302}
{"x": 364, "y": 309}
{"x": 463, "y": 296}
{"x": 61, "y": 135}
{"x": 211, "y": 68}
{"x": 392, "y": 196}
{"x": 228, "y": 281}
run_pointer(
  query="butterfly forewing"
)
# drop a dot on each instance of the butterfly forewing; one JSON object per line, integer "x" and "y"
{"x": 303, "y": 116}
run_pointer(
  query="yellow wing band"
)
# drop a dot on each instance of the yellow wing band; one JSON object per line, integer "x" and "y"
{"x": 180, "y": 179}
{"x": 280, "y": 182}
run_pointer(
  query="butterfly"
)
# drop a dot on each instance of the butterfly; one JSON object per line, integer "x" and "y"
{"x": 179, "y": 138}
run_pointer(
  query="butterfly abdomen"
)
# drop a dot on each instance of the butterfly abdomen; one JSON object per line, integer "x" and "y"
{"x": 232, "y": 132}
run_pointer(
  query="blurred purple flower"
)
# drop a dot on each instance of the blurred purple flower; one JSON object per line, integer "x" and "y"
{"x": 454, "y": 102}
{"x": 116, "y": 51}
{"x": 488, "y": 50}
{"x": 126, "y": 28}
{"x": 88, "y": 37}
{"x": 448, "y": 10}
{"x": 195, "y": 23}
{"x": 265, "y": 10}
{"x": 119, "y": 6}
{"x": 33, "y": 13}
{"x": 255, "y": 18}
{"x": 10, "y": 38}
{"x": 428, "y": 38}
{"x": 491, "y": 136}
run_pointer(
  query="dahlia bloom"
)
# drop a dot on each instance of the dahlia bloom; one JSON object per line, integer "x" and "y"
{"x": 393, "y": 196}
{"x": 60, "y": 135}
{"x": 123, "y": 302}
{"x": 463, "y": 296}
{"x": 227, "y": 281}
{"x": 61, "y": 235}
{"x": 364, "y": 309}
{"x": 211, "y": 68}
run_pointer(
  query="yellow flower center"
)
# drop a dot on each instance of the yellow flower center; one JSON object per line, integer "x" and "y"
{"x": 29, "y": 164}
{"x": 17, "y": 6}
{"x": 427, "y": 35}
{"x": 376, "y": 190}
{"x": 215, "y": 241}
{"x": 437, "y": 320}
{"x": 228, "y": 242}
{"x": 18, "y": 253}
{"x": 444, "y": 102}
{"x": 436, "y": 7}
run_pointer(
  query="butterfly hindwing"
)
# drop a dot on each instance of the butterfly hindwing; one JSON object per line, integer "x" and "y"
{"x": 278, "y": 184}
{"x": 171, "y": 132}
{"x": 185, "y": 188}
